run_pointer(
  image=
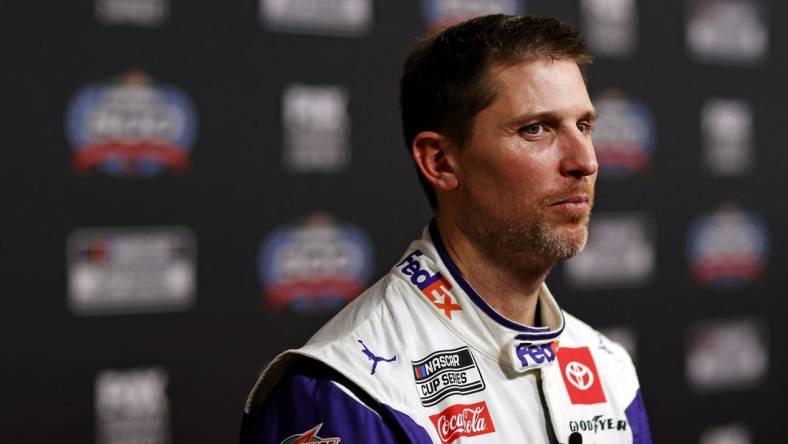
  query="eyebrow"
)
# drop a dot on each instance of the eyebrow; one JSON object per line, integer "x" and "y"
{"x": 591, "y": 114}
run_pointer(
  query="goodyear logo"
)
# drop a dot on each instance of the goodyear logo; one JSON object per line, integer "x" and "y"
{"x": 445, "y": 373}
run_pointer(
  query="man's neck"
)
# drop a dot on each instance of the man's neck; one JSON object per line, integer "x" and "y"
{"x": 509, "y": 288}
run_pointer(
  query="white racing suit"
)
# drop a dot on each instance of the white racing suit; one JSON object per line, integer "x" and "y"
{"x": 420, "y": 357}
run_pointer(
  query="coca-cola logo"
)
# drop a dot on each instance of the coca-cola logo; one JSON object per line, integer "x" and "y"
{"x": 463, "y": 420}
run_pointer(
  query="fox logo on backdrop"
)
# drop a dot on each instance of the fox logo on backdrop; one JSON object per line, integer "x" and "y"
{"x": 132, "y": 405}
{"x": 731, "y": 32}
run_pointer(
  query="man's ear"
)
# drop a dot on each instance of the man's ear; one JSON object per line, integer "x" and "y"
{"x": 435, "y": 156}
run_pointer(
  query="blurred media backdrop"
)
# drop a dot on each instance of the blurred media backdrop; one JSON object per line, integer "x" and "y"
{"x": 192, "y": 187}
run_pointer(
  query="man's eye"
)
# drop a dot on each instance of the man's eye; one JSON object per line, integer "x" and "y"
{"x": 532, "y": 129}
{"x": 584, "y": 127}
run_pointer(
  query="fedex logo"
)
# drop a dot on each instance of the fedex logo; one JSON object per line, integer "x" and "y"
{"x": 434, "y": 286}
{"x": 535, "y": 354}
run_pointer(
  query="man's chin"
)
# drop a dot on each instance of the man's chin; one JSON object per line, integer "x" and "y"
{"x": 562, "y": 243}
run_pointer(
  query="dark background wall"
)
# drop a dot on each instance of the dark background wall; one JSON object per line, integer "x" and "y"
{"x": 139, "y": 297}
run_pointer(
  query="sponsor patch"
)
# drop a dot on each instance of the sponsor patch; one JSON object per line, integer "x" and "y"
{"x": 445, "y": 373}
{"x": 463, "y": 420}
{"x": 434, "y": 286}
{"x": 374, "y": 358}
{"x": 580, "y": 375}
{"x": 535, "y": 355}
{"x": 310, "y": 436}
{"x": 598, "y": 423}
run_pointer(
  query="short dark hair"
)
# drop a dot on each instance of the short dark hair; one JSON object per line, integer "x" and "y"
{"x": 443, "y": 85}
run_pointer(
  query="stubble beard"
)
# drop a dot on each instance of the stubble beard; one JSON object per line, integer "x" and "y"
{"x": 531, "y": 246}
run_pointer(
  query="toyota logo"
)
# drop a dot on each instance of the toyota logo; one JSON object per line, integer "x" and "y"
{"x": 579, "y": 375}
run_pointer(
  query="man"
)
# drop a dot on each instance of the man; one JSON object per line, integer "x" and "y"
{"x": 462, "y": 341}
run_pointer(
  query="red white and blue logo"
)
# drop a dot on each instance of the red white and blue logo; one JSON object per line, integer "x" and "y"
{"x": 314, "y": 265}
{"x": 728, "y": 247}
{"x": 624, "y": 135}
{"x": 131, "y": 126}
{"x": 432, "y": 285}
{"x": 310, "y": 436}
{"x": 440, "y": 14}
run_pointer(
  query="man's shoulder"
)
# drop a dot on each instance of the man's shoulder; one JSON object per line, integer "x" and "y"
{"x": 370, "y": 311}
{"x": 312, "y": 397}
{"x": 579, "y": 334}
{"x": 357, "y": 342}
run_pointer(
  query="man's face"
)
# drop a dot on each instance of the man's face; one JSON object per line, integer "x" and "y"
{"x": 526, "y": 177}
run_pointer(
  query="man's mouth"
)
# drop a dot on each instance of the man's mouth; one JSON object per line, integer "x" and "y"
{"x": 579, "y": 200}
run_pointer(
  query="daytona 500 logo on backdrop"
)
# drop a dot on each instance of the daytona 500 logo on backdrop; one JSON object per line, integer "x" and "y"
{"x": 439, "y": 14}
{"x": 624, "y": 135}
{"x": 728, "y": 247}
{"x": 131, "y": 126}
{"x": 314, "y": 265}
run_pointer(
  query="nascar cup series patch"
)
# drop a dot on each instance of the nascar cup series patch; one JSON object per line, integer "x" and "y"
{"x": 445, "y": 373}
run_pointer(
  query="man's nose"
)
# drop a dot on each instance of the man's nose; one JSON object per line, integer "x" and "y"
{"x": 578, "y": 158}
